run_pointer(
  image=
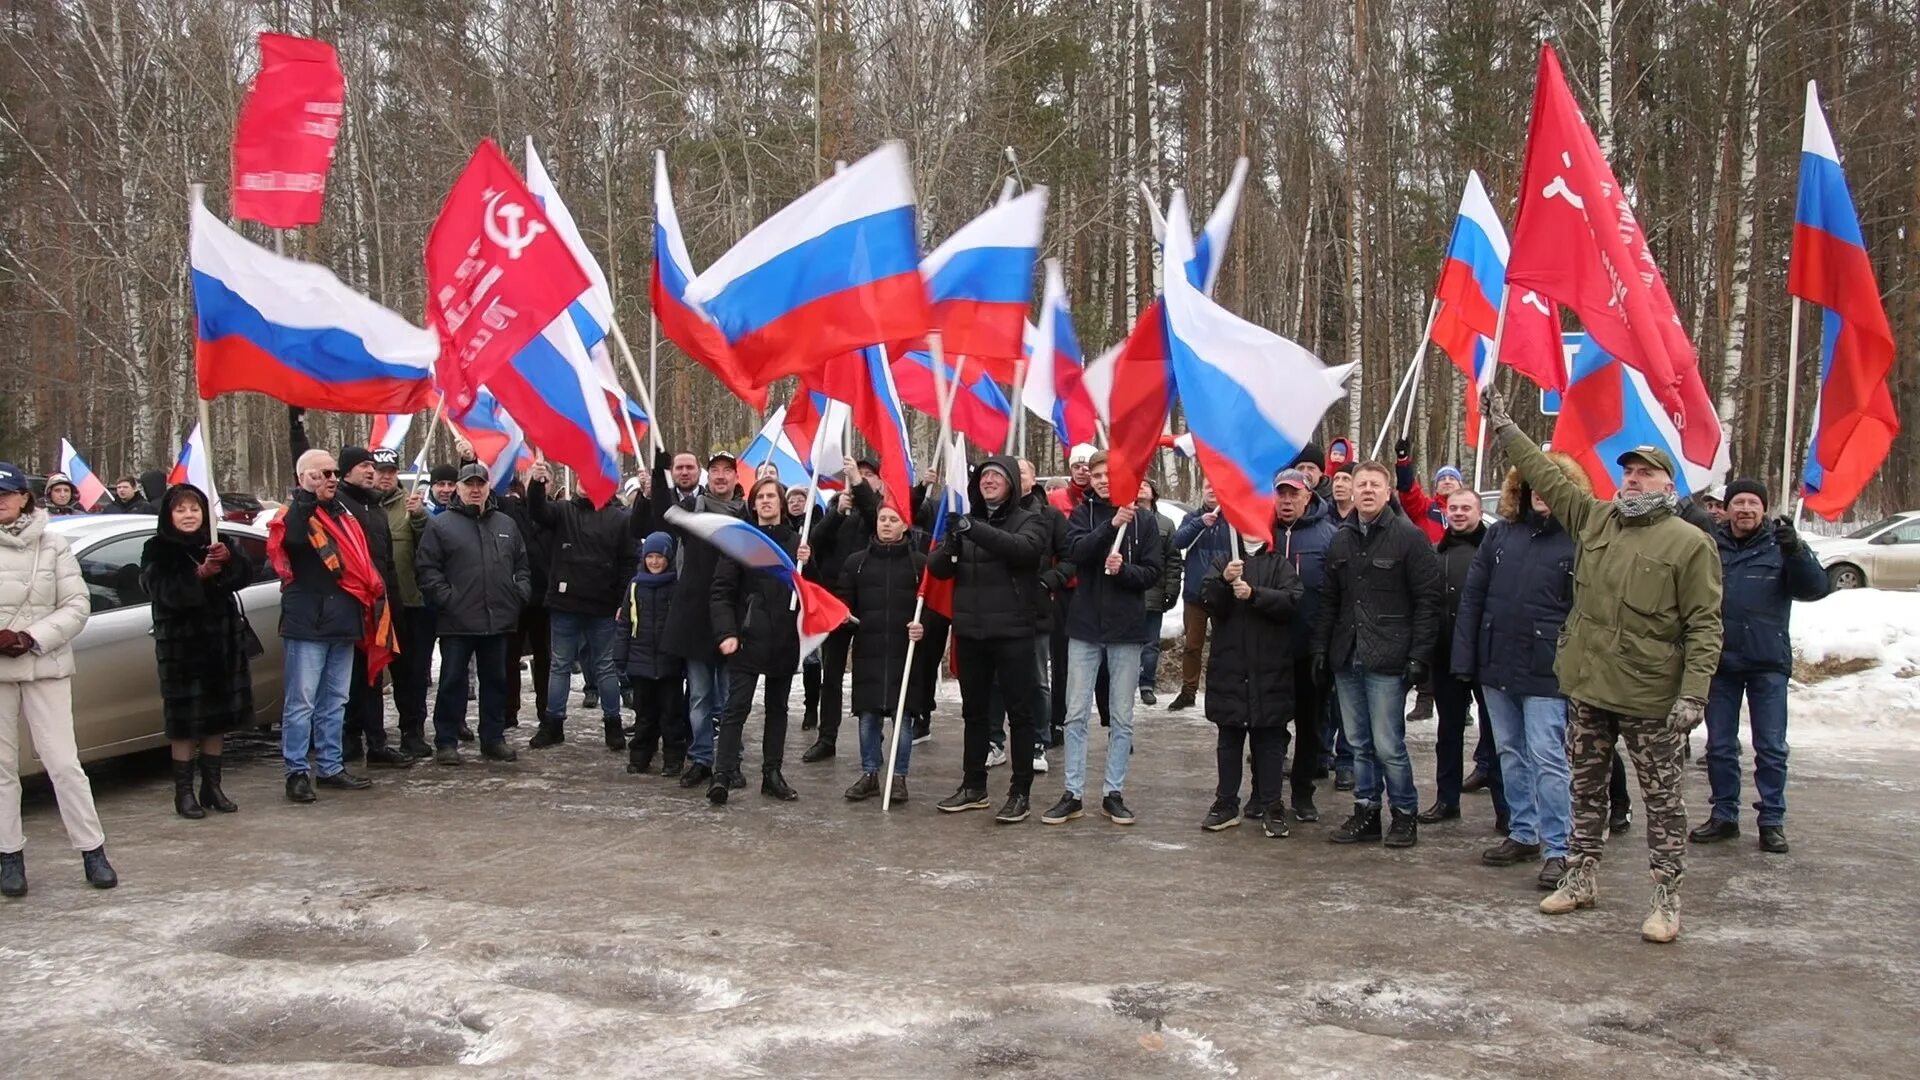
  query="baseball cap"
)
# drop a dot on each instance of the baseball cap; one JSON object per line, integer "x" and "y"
{"x": 386, "y": 458}
{"x": 1650, "y": 455}
{"x": 12, "y": 478}
{"x": 1292, "y": 478}
{"x": 1081, "y": 454}
{"x": 723, "y": 455}
{"x": 58, "y": 478}
{"x": 475, "y": 471}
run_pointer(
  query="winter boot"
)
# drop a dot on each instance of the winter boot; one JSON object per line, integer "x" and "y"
{"x": 415, "y": 745}
{"x": 864, "y": 788}
{"x": 899, "y": 791}
{"x": 821, "y": 750}
{"x": 1405, "y": 831}
{"x": 1577, "y": 889}
{"x": 673, "y": 763}
{"x": 300, "y": 787}
{"x": 210, "y": 793}
{"x": 775, "y": 786}
{"x": 639, "y": 762}
{"x": 1663, "y": 914}
{"x": 498, "y": 751}
{"x": 1182, "y": 700}
{"x": 100, "y": 873}
{"x": 616, "y": 738}
{"x": 551, "y": 733}
{"x": 590, "y": 697}
{"x": 1223, "y": 814}
{"x": 718, "y": 785}
{"x": 1773, "y": 839}
{"x": 183, "y": 802}
{"x": 13, "y": 874}
{"x": 1422, "y": 706}
{"x": 1363, "y": 825}
{"x": 695, "y": 775}
{"x": 1343, "y": 778}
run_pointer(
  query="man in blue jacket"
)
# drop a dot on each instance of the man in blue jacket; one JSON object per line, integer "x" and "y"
{"x": 1204, "y": 538}
{"x": 1767, "y": 567}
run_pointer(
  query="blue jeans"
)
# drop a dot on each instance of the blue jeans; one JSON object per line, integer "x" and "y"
{"x": 706, "y": 703}
{"x": 1530, "y": 734}
{"x": 1373, "y": 708}
{"x": 873, "y": 746}
{"x": 586, "y": 640}
{"x": 1150, "y": 652}
{"x": 317, "y": 674}
{"x": 1766, "y": 694}
{"x": 488, "y": 655}
{"x": 1083, "y": 670}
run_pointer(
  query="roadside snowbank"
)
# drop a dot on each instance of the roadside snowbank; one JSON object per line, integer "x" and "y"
{"x": 1880, "y": 705}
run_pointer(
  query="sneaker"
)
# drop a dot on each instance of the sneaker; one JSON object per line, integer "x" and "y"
{"x": 1182, "y": 700}
{"x": 1039, "y": 761}
{"x": 864, "y": 788}
{"x": 1256, "y": 807}
{"x": 962, "y": 800}
{"x": 821, "y": 750}
{"x": 1511, "y": 852}
{"x": 1116, "y": 809}
{"x": 1713, "y": 830}
{"x": 300, "y": 787}
{"x": 996, "y": 756}
{"x": 1551, "y": 872}
{"x": 388, "y": 757}
{"x": 1147, "y": 696}
{"x": 1343, "y": 778}
{"x": 498, "y": 751}
{"x": 1363, "y": 825}
{"x": 1065, "y": 810}
{"x": 100, "y": 873}
{"x": 1303, "y": 809}
{"x": 1439, "y": 812}
{"x": 1620, "y": 821}
{"x": 1577, "y": 888}
{"x": 447, "y": 755}
{"x": 1223, "y": 814}
{"x": 1663, "y": 915}
{"x": 1405, "y": 830}
{"x": 1015, "y": 810}
{"x": 1275, "y": 826}
{"x": 1773, "y": 839}
{"x": 345, "y": 781}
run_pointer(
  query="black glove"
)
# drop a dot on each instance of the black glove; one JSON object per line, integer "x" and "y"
{"x": 1785, "y": 535}
{"x": 1402, "y": 450}
{"x": 1321, "y": 676}
{"x": 1415, "y": 674}
{"x": 662, "y": 461}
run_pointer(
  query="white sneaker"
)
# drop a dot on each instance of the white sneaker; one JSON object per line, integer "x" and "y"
{"x": 996, "y": 756}
{"x": 1039, "y": 761}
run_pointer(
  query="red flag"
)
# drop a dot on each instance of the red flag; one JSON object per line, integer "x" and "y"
{"x": 497, "y": 274}
{"x": 865, "y": 382}
{"x": 283, "y": 142}
{"x": 1138, "y": 407}
{"x": 1575, "y": 241}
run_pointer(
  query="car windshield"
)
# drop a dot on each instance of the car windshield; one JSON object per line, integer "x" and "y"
{"x": 1868, "y": 531}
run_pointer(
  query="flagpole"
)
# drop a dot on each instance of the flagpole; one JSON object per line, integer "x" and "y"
{"x": 900, "y": 708}
{"x": 806, "y": 520}
{"x": 1411, "y": 377}
{"x": 646, "y": 399}
{"x": 1017, "y": 428}
{"x": 1793, "y": 385}
{"x": 1499, "y": 335}
{"x": 426, "y": 448}
{"x": 213, "y": 518}
{"x": 653, "y": 349}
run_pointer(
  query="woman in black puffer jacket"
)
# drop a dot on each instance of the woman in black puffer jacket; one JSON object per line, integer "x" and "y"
{"x": 757, "y": 633}
{"x": 879, "y": 586}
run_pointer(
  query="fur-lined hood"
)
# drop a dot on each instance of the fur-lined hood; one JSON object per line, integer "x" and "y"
{"x": 1516, "y": 496}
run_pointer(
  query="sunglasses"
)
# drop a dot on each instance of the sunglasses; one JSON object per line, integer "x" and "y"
{"x": 329, "y": 474}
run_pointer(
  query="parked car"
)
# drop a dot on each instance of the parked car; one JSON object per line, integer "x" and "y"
{"x": 116, "y": 686}
{"x": 1883, "y": 555}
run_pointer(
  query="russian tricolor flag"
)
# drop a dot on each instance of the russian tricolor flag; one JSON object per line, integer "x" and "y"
{"x": 819, "y": 613}
{"x": 293, "y": 331}
{"x": 1210, "y": 248}
{"x": 1467, "y": 312}
{"x": 773, "y": 445}
{"x": 498, "y": 442}
{"x": 1609, "y": 409}
{"x": 981, "y": 281}
{"x": 1055, "y": 390}
{"x": 680, "y": 319}
{"x": 835, "y": 271}
{"x": 953, "y": 502}
{"x": 86, "y": 486}
{"x": 980, "y": 410}
{"x": 1252, "y": 397}
{"x": 1855, "y": 422}
{"x": 194, "y": 467}
{"x": 866, "y": 385}
{"x": 389, "y": 431}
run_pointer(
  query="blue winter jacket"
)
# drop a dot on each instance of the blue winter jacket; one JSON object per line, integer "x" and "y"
{"x": 1759, "y": 584}
{"x": 1203, "y": 546}
{"x": 1518, "y": 590}
{"x": 1305, "y": 546}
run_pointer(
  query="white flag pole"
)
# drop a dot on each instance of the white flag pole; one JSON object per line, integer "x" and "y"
{"x": 1411, "y": 380}
{"x": 1499, "y": 334}
{"x": 1793, "y": 385}
{"x": 646, "y": 398}
{"x": 213, "y": 497}
{"x": 426, "y": 447}
{"x": 900, "y": 709}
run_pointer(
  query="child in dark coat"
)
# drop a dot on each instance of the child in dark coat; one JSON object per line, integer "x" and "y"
{"x": 659, "y": 720}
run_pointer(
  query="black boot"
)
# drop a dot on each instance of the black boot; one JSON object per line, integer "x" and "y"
{"x": 1405, "y": 831}
{"x": 821, "y": 750}
{"x": 1439, "y": 812}
{"x": 695, "y": 775}
{"x": 300, "y": 787}
{"x": 551, "y": 733}
{"x": 415, "y": 745}
{"x": 719, "y": 784}
{"x": 673, "y": 763}
{"x": 13, "y": 874}
{"x": 183, "y": 802}
{"x": 616, "y": 739}
{"x": 864, "y": 788}
{"x": 590, "y": 697}
{"x": 773, "y": 785}
{"x": 387, "y": 757}
{"x": 100, "y": 873}
{"x": 810, "y": 719}
{"x": 1363, "y": 825}
{"x": 466, "y": 732}
{"x": 210, "y": 793}
{"x": 1182, "y": 700}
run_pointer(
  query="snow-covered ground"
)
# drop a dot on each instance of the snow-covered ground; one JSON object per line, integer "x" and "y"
{"x": 1879, "y": 706}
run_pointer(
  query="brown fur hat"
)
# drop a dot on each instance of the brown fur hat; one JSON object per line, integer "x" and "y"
{"x": 1516, "y": 496}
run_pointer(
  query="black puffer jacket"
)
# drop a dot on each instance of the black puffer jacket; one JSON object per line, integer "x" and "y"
{"x": 593, "y": 556}
{"x": 1382, "y": 597}
{"x": 1455, "y": 552}
{"x": 836, "y": 537}
{"x": 994, "y": 561}
{"x": 313, "y": 606}
{"x": 1056, "y": 569}
{"x": 757, "y": 608}
{"x": 536, "y": 539}
{"x": 472, "y": 567}
{"x": 689, "y": 619}
{"x": 1249, "y": 674}
{"x": 1112, "y": 608}
{"x": 878, "y": 585}
{"x": 369, "y": 509}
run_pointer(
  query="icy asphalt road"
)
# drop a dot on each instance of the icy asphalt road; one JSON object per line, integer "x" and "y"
{"x": 557, "y": 917}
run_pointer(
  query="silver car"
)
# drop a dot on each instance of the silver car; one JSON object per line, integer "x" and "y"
{"x": 1883, "y": 555}
{"x": 116, "y": 684}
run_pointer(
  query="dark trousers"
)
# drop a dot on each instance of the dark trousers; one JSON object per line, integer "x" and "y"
{"x": 366, "y": 709}
{"x": 1057, "y": 643}
{"x": 660, "y": 720}
{"x": 927, "y": 658}
{"x": 773, "y": 741}
{"x": 1042, "y": 704}
{"x": 833, "y": 676}
{"x": 1618, "y": 798}
{"x": 488, "y": 654}
{"x": 1266, "y": 748}
{"x": 413, "y": 668}
{"x": 1450, "y": 700}
{"x": 531, "y": 638}
{"x": 1008, "y": 664}
{"x": 1308, "y": 707}
{"x": 1334, "y": 751}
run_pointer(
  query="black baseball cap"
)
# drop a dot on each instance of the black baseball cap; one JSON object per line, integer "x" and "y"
{"x": 386, "y": 458}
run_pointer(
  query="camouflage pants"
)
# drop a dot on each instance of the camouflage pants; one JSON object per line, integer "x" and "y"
{"x": 1654, "y": 746}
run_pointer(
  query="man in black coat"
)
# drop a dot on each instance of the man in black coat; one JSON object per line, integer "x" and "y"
{"x": 532, "y": 636}
{"x": 472, "y": 567}
{"x": 593, "y": 558}
{"x": 993, "y": 555}
{"x": 1375, "y": 636}
{"x": 1452, "y": 694}
{"x": 689, "y": 615}
{"x": 1050, "y": 611}
{"x": 366, "y": 724}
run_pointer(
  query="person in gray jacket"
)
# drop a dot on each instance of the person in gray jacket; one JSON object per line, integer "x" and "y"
{"x": 472, "y": 567}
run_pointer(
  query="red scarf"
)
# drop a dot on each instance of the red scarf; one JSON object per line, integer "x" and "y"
{"x": 342, "y": 548}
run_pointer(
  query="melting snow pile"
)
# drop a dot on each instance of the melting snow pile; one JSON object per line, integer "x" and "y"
{"x": 1881, "y": 703}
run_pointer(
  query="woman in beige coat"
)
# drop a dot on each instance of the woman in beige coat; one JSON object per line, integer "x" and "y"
{"x": 43, "y": 606}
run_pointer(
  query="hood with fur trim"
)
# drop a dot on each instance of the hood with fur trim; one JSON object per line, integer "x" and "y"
{"x": 1516, "y": 496}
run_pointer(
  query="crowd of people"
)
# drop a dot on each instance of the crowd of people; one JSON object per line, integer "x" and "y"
{"x": 1569, "y": 626}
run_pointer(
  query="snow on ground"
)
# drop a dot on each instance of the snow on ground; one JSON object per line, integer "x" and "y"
{"x": 1880, "y": 705}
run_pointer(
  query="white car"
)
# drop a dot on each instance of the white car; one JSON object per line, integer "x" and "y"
{"x": 1883, "y": 555}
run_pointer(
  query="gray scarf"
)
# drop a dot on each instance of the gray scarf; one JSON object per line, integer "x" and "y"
{"x": 1638, "y": 504}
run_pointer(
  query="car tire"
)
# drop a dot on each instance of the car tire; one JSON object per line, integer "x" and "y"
{"x": 1846, "y": 576}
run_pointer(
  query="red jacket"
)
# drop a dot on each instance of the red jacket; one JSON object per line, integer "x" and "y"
{"x": 1420, "y": 507}
{"x": 1066, "y": 498}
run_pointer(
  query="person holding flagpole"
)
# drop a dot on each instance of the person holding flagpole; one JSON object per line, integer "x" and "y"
{"x": 879, "y": 585}
{"x": 753, "y": 630}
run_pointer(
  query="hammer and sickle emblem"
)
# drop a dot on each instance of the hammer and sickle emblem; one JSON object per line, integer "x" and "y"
{"x": 513, "y": 237}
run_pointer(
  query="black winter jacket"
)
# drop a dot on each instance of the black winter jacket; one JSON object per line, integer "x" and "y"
{"x": 994, "y": 557}
{"x": 593, "y": 555}
{"x": 206, "y": 687}
{"x": 836, "y": 536}
{"x": 1382, "y": 599}
{"x": 689, "y": 618}
{"x": 1513, "y": 605}
{"x": 1056, "y": 568}
{"x": 1759, "y": 585}
{"x": 879, "y": 585}
{"x": 472, "y": 567}
{"x": 1111, "y": 608}
{"x": 313, "y": 606}
{"x": 1305, "y": 543}
{"x": 370, "y": 511}
{"x": 537, "y": 542}
{"x": 643, "y": 622}
{"x": 1456, "y": 552}
{"x": 1163, "y": 593}
{"x": 1246, "y": 685}
{"x": 757, "y": 608}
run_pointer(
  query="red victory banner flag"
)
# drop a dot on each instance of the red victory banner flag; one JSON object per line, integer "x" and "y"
{"x": 283, "y": 143}
{"x": 497, "y": 274}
